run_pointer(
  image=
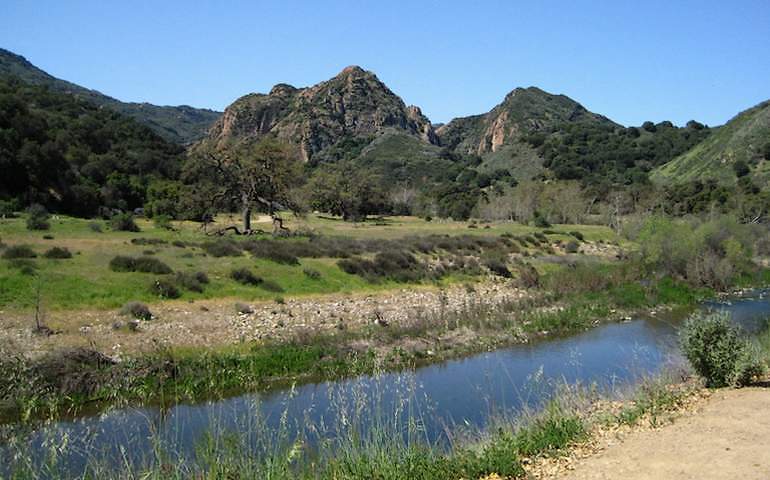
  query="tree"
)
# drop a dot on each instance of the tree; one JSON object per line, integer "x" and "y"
{"x": 258, "y": 175}
{"x": 348, "y": 191}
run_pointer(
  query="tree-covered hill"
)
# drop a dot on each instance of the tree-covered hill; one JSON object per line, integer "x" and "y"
{"x": 179, "y": 124}
{"x": 72, "y": 156}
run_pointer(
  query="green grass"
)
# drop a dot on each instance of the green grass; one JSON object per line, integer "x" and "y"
{"x": 85, "y": 280}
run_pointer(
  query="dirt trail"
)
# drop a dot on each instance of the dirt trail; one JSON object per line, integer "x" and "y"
{"x": 728, "y": 438}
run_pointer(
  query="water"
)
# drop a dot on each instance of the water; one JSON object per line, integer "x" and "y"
{"x": 465, "y": 392}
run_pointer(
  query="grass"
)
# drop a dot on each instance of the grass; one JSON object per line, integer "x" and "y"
{"x": 85, "y": 280}
{"x": 375, "y": 443}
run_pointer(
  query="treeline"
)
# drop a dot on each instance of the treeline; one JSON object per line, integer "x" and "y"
{"x": 603, "y": 156}
{"x": 74, "y": 157}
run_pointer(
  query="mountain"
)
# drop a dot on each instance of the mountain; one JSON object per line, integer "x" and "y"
{"x": 501, "y": 136}
{"x": 326, "y": 120}
{"x": 740, "y": 147}
{"x": 180, "y": 124}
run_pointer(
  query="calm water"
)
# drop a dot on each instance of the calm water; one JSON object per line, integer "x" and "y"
{"x": 465, "y": 392}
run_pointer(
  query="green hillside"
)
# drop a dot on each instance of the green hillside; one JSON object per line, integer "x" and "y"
{"x": 179, "y": 124}
{"x": 741, "y": 147}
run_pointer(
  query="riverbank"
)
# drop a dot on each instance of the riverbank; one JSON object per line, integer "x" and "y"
{"x": 462, "y": 321}
{"x": 720, "y": 434}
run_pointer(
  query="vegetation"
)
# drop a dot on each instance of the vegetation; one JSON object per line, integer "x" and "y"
{"x": 717, "y": 351}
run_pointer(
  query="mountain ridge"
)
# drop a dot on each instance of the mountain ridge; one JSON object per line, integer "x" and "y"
{"x": 181, "y": 124}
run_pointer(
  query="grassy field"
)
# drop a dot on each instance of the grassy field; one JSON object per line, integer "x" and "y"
{"x": 86, "y": 281}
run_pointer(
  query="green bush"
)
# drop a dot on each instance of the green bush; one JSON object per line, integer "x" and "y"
{"x": 163, "y": 222}
{"x": 577, "y": 235}
{"x": 165, "y": 288}
{"x": 715, "y": 349}
{"x": 37, "y": 218}
{"x": 19, "y": 251}
{"x": 572, "y": 247}
{"x": 312, "y": 274}
{"x": 95, "y": 227}
{"x": 271, "y": 286}
{"x": 123, "y": 263}
{"x": 223, "y": 248}
{"x": 58, "y": 253}
{"x": 191, "y": 281}
{"x": 123, "y": 222}
{"x": 245, "y": 276}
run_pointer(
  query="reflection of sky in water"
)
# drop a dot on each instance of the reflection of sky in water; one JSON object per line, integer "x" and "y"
{"x": 457, "y": 392}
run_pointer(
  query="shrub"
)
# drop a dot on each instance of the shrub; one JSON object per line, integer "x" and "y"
{"x": 24, "y": 265}
{"x": 19, "y": 251}
{"x": 8, "y": 208}
{"x": 540, "y": 221}
{"x": 497, "y": 266}
{"x": 47, "y": 237}
{"x": 715, "y": 349}
{"x": 223, "y": 248}
{"x": 152, "y": 265}
{"x": 123, "y": 222}
{"x": 148, "y": 241}
{"x": 271, "y": 286}
{"x": 123, "y": 263}
{"x": 95, "y": 227}
{"x": 191, "y": 281}
{"x": 201, "y": 277}
{"x": 137, "y": 310}
{"x": 179, "y": 244}
{"x": 312, "y": 274}
{"x": 245, "y": 276}
{"x": 58, "y": 253}
{"x": 163, "y": 222}
{"x": 279, "y": 252}
{"x": 37, "y": 218}
{"x": 572, "y": 247}
{"x": 165, "y": 288}
{"x": 577, "y": 235}
{"x": 529, "y": 276}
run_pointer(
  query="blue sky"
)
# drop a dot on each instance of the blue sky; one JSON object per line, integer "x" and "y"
{"x": 632, "y": 61}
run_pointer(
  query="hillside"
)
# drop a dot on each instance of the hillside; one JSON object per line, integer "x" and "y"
{"x": 345, "y": 112}
{"x": 179, "y": 124}
{"x": 72, "y": 156}
{"x": 500, "y": 135}
{"x": 743, "y": 142}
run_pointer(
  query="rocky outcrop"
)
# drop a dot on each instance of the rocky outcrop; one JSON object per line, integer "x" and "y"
{"x": 354, "y": 105}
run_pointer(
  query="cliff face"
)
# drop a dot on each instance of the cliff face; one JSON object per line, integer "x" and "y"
{"x": 355, "y": 104}
{"x": 522, "y": 112}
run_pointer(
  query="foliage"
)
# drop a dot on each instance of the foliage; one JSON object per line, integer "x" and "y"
{"x": 19, "y": 251}
{"x": 58, "y": 253}
{"x": 346, "y": 190}
{"x": 165, "y": 288}
{"x": 73, "y": 156}
{"x": 123, "y": 222}
{"x": 137, "y": 310}
{"x": 37, "y": 217}
{"x": 245, "y": 277}
{"x": 145, "y": 264}
{"x": 715, "y": 349}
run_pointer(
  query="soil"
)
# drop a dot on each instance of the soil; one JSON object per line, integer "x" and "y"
{"x": 212, "y": 323}
{"x": 725, "y": 436}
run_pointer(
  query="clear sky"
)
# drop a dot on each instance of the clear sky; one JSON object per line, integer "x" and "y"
{"x": 630, "y": 60}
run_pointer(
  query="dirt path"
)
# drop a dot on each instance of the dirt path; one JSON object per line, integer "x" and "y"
{"x": 728, "y": 437}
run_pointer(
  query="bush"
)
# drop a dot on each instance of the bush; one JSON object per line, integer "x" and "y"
{"x": 572, "y": 247}
{"x": 540, "y": 221}
{"x": 95, "y": 227}
{"x": 278, "y": 251}
{"x": 312, "y": 274}
{"x": 529, "y": 276}
{"x": 165, "y": 288}
{"x": 58, "y": 253}
{"x": 271, "y": 286}
{"x": 191, "y": 281}
{"x": 163, "y": 222}
{"x": 245, "y": 276}
{"x": 578, "y": 235}
{"x": 243, "y": 308}
{"x": 137, "y": 310}
{"x": 122, "y": 263}
{"x": 8, "y": 208}
{"x": 497, "y": 266}
{"x": 715, "y": 349}
{"x": 37, "y": 218}
{"x": 19, "y": 251}
{"x": 24, "y": 265}
{"x": 223, "y": 248}
{"x": 123, "y": 222}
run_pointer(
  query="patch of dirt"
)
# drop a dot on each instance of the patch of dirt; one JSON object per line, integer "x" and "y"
{"x": 210, "y": 323}
{"x": 723, "y": 435}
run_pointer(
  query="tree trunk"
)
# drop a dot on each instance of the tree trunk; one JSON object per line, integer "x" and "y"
{"x": 246, "y": 218}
